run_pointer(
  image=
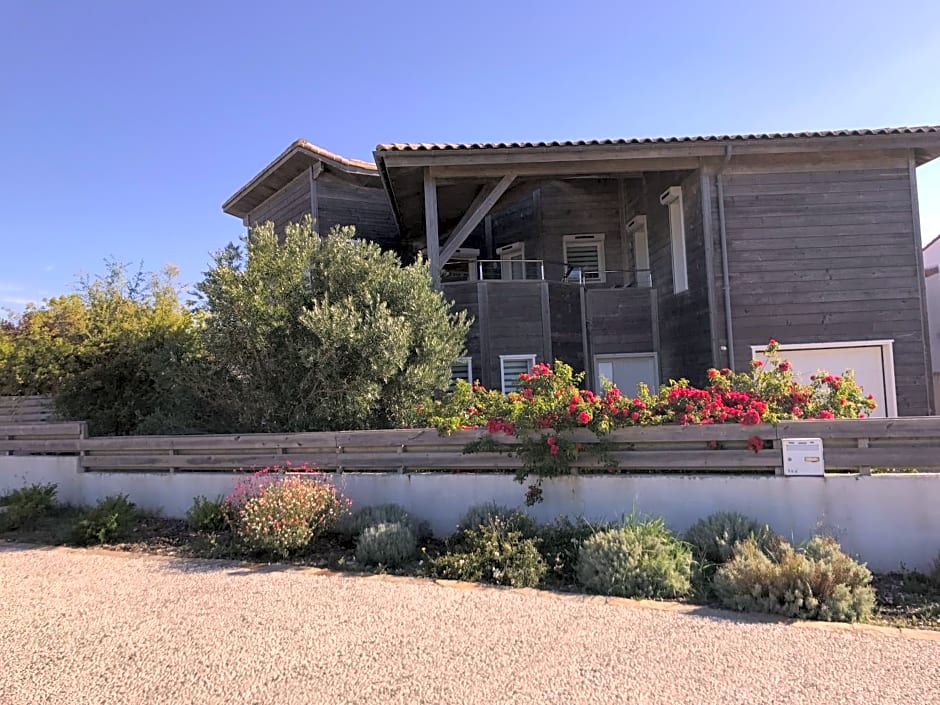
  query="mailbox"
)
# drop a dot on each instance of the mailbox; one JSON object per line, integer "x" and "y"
{"x": 803, "y": 456}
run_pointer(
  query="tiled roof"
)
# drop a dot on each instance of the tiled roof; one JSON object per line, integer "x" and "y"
{"x": 926, "y": 129}
{"x": 320, "y": 152}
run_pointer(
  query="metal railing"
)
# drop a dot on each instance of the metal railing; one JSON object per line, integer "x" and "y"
{"x": 512, "y": 270}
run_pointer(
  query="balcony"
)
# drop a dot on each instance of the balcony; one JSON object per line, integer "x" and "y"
{"x": 534, "y": 270}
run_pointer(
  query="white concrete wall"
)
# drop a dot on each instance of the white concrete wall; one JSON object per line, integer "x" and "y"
{"x": 887, "y": 520}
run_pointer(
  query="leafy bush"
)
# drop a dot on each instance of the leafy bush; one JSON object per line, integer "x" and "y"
{"x": 816, "y": 582}
{"x": 111, "y": 519}
{"x": 331, "y": 333}
{"x": 560, "y": 543}
{"x": 22, "y": 508}
{"x": 282, "y": 515}
{"x": 354, "y": 524}
{"x": 494, "y": 552}
{"x": 390, "y": 544}
{"x": 207, "y": 515}
{"x": 713, "y": 538}
{"x": 639, "y": 559}
{"x": 114, "y": 353}
{"x": 484, "y": 514}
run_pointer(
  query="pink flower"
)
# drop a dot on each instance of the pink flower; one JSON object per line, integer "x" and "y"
{"x": 826, "y": 414}
{"x": 584, "y": 418}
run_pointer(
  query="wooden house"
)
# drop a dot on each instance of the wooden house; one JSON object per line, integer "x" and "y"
{"x": 650, "y": 259}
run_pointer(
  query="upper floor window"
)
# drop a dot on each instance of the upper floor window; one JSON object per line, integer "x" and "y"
{"x": 586, "y": 253}
{"x": 512, "y": 258}
{"x": 672, "y": 199}
{"x": 641, "y": 251}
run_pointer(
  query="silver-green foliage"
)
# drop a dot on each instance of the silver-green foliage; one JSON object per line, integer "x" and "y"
{"x": 817, "y": 581}
{"x": 206, "y": 515}
{"x": 354, "y": 524}
{"x": 713, "y": 538}
{"x": 496, "y": 551}
{"x": 389, "y": 543}
{"x": 482, "y": 514}
{"x": 325, "y": 333}
{"x": 639, "y": 559}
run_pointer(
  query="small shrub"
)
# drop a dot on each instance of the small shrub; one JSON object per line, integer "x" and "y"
{"x": 639, "y": 559}
{"x": 111, "y": 520}
{"x": 388, "y": 544}
{"x": 206, "y": 515}
{"x": 713, "y": 538}
{"x": 560, "y": 543}
{"x": 483, "y": 514}
{"x": 816, "y": 582}
{"x": 22, "y": 508}
{"x": 282, "y": 516}
{"x": 354, "y": 524}
{"x": 494, "y": 552}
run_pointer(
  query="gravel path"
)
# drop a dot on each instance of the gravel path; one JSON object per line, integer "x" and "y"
{"x": 97, "y": 627}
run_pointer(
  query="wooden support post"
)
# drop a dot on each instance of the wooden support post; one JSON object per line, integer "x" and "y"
{"x": 778, "y": 449}
{"x": 482, "y": 204}
{"x": 863, "y": 469}
{"x": 431, "y": 226}
{"x": 314, "y": 174}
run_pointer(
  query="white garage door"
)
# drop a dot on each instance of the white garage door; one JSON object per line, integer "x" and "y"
{"x": 873, "y": 362}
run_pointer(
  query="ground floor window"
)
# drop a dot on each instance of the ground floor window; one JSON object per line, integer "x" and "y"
{"x": 626, "y": 371}
{"x": 510, "y": 367}
{"x": 461, "y": 369}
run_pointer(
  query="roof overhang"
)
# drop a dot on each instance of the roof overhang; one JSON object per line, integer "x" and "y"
{"x": 296, "y": 159}
{"x": 457, "y": 167}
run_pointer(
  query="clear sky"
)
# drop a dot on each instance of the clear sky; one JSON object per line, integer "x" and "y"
{"x": 125, "y": 125}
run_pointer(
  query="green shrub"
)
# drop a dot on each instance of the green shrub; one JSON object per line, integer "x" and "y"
{"x": 494, "y": 552}
{"x": 22, "y": 508}
{"x": 354, "y": 524}
{"x": 390, "y": 544}
{"x": 282, "y": 516}
{"x": 483, "y": 514}
{"x": 111, "y": 520}
{"x": 560, "y": 543}
{"x": 818, "y": 581}
{"x": 206, "y": 515}
{"x": 639, "y": 559}
{"x": 713, "y": 538}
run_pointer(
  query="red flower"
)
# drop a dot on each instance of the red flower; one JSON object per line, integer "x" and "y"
{"x": 826, "y": 414}
{"x": 635, "y": 416}
{"x": 755, "y": 444}
{"x": 713, "y": 373}
{"x": 772, "y": 342}
{"x": 584, "y": 418}
{"x": 784, "y": 366}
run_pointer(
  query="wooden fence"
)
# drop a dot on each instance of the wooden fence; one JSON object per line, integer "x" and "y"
{"x": 853, "y": 445}
{"x": 26, "y": 410}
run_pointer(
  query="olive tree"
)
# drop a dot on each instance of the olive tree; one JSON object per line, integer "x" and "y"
{"x": 324, "y": 333}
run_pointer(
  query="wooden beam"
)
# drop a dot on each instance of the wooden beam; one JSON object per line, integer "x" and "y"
{"x": 314, "y": 196}
{"x": 431, "y": 226}
{"x": 583, "y": 167}
{"x": 482, "y": 203}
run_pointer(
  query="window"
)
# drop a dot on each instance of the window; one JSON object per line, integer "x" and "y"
{"x": 672, "y": 199}
{"x": 462, "y": 267}
{"x": 461, "y": 369}
{"x": 513, "y": 260}
{"x": 586, "y": 253}
{"x": 511, "y": 366}
{"x": 641, "y": 252}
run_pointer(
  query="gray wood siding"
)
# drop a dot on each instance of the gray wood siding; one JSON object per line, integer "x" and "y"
{"x": 288, "y": 205}
{"x": 828, "y": 256}
{"x": 463, "y": 297}
{"x": 367, "y": 209}
{"x": 580, "y": 207}
{"x": 565, "y": 312}
{"x": 684, "y": 330}
{"x": 620, "y": 320}
{"x": 515, "y": 222}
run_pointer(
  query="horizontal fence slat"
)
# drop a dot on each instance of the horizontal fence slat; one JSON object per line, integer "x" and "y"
{"x": 55, "y": 429}
{"x": 910, "y": 457}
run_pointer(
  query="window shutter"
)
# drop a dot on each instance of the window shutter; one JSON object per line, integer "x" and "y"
{"x": 512, "y": 368}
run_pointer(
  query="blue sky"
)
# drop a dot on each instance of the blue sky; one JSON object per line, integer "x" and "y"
{"x": 124, "y": 126}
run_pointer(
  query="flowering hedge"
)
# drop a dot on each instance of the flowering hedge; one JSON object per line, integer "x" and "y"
{"x": 550, "y": 400}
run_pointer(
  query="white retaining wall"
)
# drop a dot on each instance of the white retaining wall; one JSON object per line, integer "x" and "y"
{"x": 886, "y": 520}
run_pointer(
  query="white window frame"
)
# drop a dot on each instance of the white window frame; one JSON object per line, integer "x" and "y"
{"x": 641, "y": 251}
{"x": 503, "y": 359}
{"x": 887, "y": 362}
{"x": 595, "y": 239}
{"x": 654, "y": 385}
{"x": 513, "y": 252}
{"x": 672, "y": 199}
{"x": 466, "y": 360}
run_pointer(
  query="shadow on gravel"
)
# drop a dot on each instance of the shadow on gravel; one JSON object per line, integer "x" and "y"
{"x": 725, "y": 616}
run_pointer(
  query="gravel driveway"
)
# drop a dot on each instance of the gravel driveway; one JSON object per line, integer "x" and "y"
{"x": 97, "y": 627}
